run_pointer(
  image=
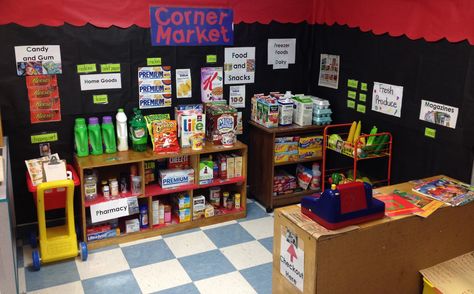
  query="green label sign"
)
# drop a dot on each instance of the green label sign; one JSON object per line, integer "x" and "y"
{"x": 41, "y": 138}
{"x": 351, "y": 94}
{"x": 86, "y": 68}
{"x": 430, "y": 133}
{"x": 352, "y": 83}
{"x": 110, "y": 67}
{"x": 363, "y": 86}
{"x": 211, "y": 58}
{"x": 351, "y": 104}
{"x": 360, "y": 108}
{"x": 153, "y": 61}
{"x": 100, "y": 99}
{"x": 362, "y": 97}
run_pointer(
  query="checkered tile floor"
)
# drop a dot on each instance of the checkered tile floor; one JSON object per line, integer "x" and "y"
{"x": 232, "y": 257}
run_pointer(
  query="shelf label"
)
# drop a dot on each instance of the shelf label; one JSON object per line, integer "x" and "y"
{"x": 363, "y": 86}
{"x": 430, "y": 133}
{"x": 86, "y": 68}
{"x": 211, "y": 58}
{"x": 360, "y": 108}
{"x": 150, "y": 61}
{"x": 110, "y": 67}
{"x": 109, "y": 210}
{"x": 100, "y": 99}
{"x": 42, "y": 138}
{"x": 292, "y": 257}
{"x": 351, "y": 94}
{"x": 351, "y": 104}
{"x": 362, "y": 97}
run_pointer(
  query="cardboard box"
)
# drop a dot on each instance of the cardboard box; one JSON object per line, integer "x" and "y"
{"x": 230, "y": 167}
{"x": 170, "y": 178}
{"x": 191, "y": 125}
{"x": 182, "y": 201}
{"x": 132, "y": 225}
{"x": 206, "y": 174}
{"x": 199, "y": 207}
{"x": 237, "y": 165}
{"x": 221, "y": 123}
{"x": 303, "y": 111}
{"x": 184, "y": 215}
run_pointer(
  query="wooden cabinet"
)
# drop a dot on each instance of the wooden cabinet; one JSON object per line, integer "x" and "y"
{"x": 262, "y": 165}
{"x": 112, "y": 165}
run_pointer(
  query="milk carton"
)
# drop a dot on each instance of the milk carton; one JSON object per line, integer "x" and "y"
{"x": 303, "y": 110}
{"x": 285, "y": 112}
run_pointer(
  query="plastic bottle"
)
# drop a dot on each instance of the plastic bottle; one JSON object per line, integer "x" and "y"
{"x": 108, "y": 135}
{"x": 122, "y": 135}
{"x": 316, "y": 180}
{"x": 80, "y": 137}
{"x": 138, "y": 131}
{"x": 95, "y": 136}
{"x": 143, "y": 216}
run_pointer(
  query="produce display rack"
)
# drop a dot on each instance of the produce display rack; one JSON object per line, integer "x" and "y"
{"x": 261, "y": 155}
{"x": 114, "y": 163}
{"x": 347, "y": 150}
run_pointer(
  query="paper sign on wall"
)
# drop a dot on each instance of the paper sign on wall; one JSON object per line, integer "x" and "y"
{"x": 154, "y": 87}
{"x": 281, "y": 52}
{"x": 329, "y": 71}
{"x": 109, "y": 210}
{"x": 237, "y": 96}
{"x": 239, "y": 65}
{"x": 183, "y": 83}
{"x": 292, "y": 258}
{"x": 43, "y": 95}
{"x": 38, "y": 60}
{"x": 211, "y": 84}
{"x": 387, "y": 99}
{"x": 100, "y": 81}
{"x": 439, "y": 114}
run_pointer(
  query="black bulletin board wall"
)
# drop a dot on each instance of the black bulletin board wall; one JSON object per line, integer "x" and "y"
{"x": 439, "y": 71}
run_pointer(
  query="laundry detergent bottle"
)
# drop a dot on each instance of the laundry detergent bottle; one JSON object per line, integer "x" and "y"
{"x": 108, "y": 135}
{"x": 138, "y": 131}
{"x": 81, "y": 140}
{"x": 95, "y": 136}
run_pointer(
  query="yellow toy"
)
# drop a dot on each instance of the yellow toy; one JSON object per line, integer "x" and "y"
{"x": 57, "y": 243}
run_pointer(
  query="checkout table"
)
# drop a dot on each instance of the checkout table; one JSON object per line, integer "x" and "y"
{"x": 381, "y": 256}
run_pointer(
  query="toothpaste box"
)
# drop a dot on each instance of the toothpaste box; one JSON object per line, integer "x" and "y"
{"x": 303, "y": 111}
{"x": 170, "y": 178}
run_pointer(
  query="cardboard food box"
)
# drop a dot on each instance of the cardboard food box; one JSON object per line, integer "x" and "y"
{"x": 221, "y": 123}
{"x": 303, "y": 110}
{"x": 191, "y": 125}
{"x": 268, "y": 112}
{"x": 230, "y": 167}
{"x": 206, "y": 171}
{"x": 182, "y": 201}
{"x": 311, "y": 146}
{"x": 237, "y": 165}
{"x": 199, "y": 206}
{"x": 170, "y": 178}
{"x": 285, "y": 112}
{"x": 184, "y": 215}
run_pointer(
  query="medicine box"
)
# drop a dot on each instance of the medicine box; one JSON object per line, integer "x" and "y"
{"x": 132, "y": 225}
{"x": 206, "y": 171}
{"x": 184, "y": 215}
{"x": 182, "y": 201}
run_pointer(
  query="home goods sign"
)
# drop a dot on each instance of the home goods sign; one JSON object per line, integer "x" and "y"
{"x": 183, "y": 26}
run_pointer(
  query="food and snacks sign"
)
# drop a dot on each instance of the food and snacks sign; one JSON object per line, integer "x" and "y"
{"x": 180, "y": 26}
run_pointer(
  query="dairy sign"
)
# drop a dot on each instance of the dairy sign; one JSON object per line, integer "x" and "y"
{"x": 387, "y": 99}
{"x": 35, "y": 60}
{"x": 292, "y": 258}
{"x": 191, "y": 26}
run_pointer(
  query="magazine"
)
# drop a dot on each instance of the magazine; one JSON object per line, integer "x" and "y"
{"x": 427, "y": 205}
{"x": 451, "y": 192}
{"x": 35, "y": 168}
{"x": 396, "y": 205}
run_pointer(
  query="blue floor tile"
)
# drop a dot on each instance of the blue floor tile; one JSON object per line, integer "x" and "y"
{"x": 188, "y": 289}
{"x": 117, "y": 283}
{"x": 19, "y": 257}
{"x": 205, "y": 265}
{"x": 181, "y": 233}
{"x": 228, "y": 235}
{"x": 267, "y": 243}
{"x": 51, "y": 275}
{"x": 147, "y": 253}
{"x": 260, "y": 277}
{"x": 253, "y": 212}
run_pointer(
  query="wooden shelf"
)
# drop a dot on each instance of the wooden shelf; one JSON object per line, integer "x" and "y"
{"x": 292, "y": 198}
{"x": 156, "y": 190}
{"x": 288, "y": 129}
{"x": 311, "y": 159}
{"x": 101, "y": 198}
{"x": 218, "y": 182}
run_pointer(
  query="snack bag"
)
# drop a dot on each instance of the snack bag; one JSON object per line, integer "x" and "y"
{"x": 150, "y": 119}
{"x": 304, "y": 176}
{"x": 165, "y": 136}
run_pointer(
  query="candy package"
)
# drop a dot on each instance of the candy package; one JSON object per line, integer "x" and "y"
{"x": 304, "y": 176}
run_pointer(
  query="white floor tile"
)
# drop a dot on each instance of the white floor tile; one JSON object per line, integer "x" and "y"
{"x": 160, "y": 276}
{"x": 219, "y": 225}
{"x": 245, "y": 255}
{"x": 189, "y": 244}
{"x": 229, "y": 283}
{"x": 70, "y": 288}
{"x": 27, "y": 259}
{"x": 141, "y": 241}
{"x": 259, "y": 228}
{"x": 102, "y": 263}
{"x": 21, "y": 280}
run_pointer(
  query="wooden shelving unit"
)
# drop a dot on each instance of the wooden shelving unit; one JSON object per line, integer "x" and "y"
{"x": 113, "y": 164}
{"x": 261, "y": 156}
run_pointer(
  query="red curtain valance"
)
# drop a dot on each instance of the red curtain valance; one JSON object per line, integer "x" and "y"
{"x": 431, "y": 20}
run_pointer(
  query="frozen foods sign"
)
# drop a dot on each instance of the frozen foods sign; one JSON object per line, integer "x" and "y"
{"x": 439, "y": 114}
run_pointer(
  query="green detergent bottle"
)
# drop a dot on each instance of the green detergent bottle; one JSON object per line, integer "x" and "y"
{"x": 108, "y": 135}
{"x": 138, "y": 130}
{"x": 95, "y": 136}
{"x": 80, "y": 137}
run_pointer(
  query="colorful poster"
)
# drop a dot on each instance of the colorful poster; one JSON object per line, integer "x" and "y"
{"x": 237, "y": 96}
{"x": 281, "y": 52}
{"x": 43, "y": 95}
{"x": 439, "y": 114}
{"x": 183, "y": 83}
{"x": 154, "y": 87}
{"x": 191, "y": 26}
{"x": 329, "y": 71}
{"x": 387, "y": 99}
{"x": 211, "y": 84}
{"x": 100, "y": 81}
{"x": 38, "y": 60}
{"x": 239, "y": 65}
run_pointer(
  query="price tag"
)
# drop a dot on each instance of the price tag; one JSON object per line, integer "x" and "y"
{"x": 237, "y": 96}
{"x": 211, "y": 58}
{"x": 86, "y": 68}
{"x": 153, "y": 61}
{"x": 110, "y": 67}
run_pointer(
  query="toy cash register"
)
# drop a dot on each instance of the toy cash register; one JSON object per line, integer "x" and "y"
{"x": 349, "y": 204}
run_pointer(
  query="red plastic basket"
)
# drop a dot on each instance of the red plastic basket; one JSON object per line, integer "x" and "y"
{"x": 55, "y": 198}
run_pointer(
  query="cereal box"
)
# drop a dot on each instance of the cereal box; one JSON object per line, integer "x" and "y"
{"x": 221, "y": 123}
{"x": 191, "y": 125}
{"x": 212, "y": 87}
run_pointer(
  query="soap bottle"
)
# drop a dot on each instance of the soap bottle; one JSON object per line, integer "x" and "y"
{"x": 80, "y": 137}
{"x": 95, "y": 136}
{"x": 108, "y": 135}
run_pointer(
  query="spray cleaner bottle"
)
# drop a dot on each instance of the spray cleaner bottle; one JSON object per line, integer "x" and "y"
{"x": 138, "y": 131}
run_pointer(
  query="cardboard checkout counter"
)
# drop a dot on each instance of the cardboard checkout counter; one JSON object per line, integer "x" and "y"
{"x": 381, "y": 256}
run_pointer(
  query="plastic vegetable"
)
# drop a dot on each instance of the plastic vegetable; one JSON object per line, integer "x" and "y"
{"x": 373, "y": 131}
{"x": 350, "y": 138}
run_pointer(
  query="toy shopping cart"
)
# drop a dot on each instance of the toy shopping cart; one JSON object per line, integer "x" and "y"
{"x": 60, "y": 242}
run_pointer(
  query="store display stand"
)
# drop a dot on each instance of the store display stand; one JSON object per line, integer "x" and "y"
{"x": 261, "y": 155}
{"x": 342, "y": 130}
{"x": 113, "y": 164}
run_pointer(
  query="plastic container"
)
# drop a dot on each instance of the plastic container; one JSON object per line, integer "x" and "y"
{"x": 95, "y": 136}
{"x": 316, "y": 180}
{"x": 237, "y": 200}
{"x": 108, "y": 135}
{"x": 138, "y": 131}
{"x": 122, "y": 134}
{"x": 81, "y": 139}
{"x": 143, "y": 216}
{"x": 90, "y": 187}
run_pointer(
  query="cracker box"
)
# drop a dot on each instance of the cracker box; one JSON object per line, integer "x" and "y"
{"x": 199, "y": 206}
{"x": 170, "y": 178}
{"x": 310, "y": 146}
{"x": 191, "y": 125}
{"x": 237, "y": 165}
{"x": 221, "y": 123}
{"x": 303, "y": 110}
{"x": 178, "y": 162}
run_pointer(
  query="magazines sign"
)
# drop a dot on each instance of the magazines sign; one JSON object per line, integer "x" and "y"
{"x": 292, "y": 258}
{"x": 186, "y": 26}
{"x": 439, "y": 114}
